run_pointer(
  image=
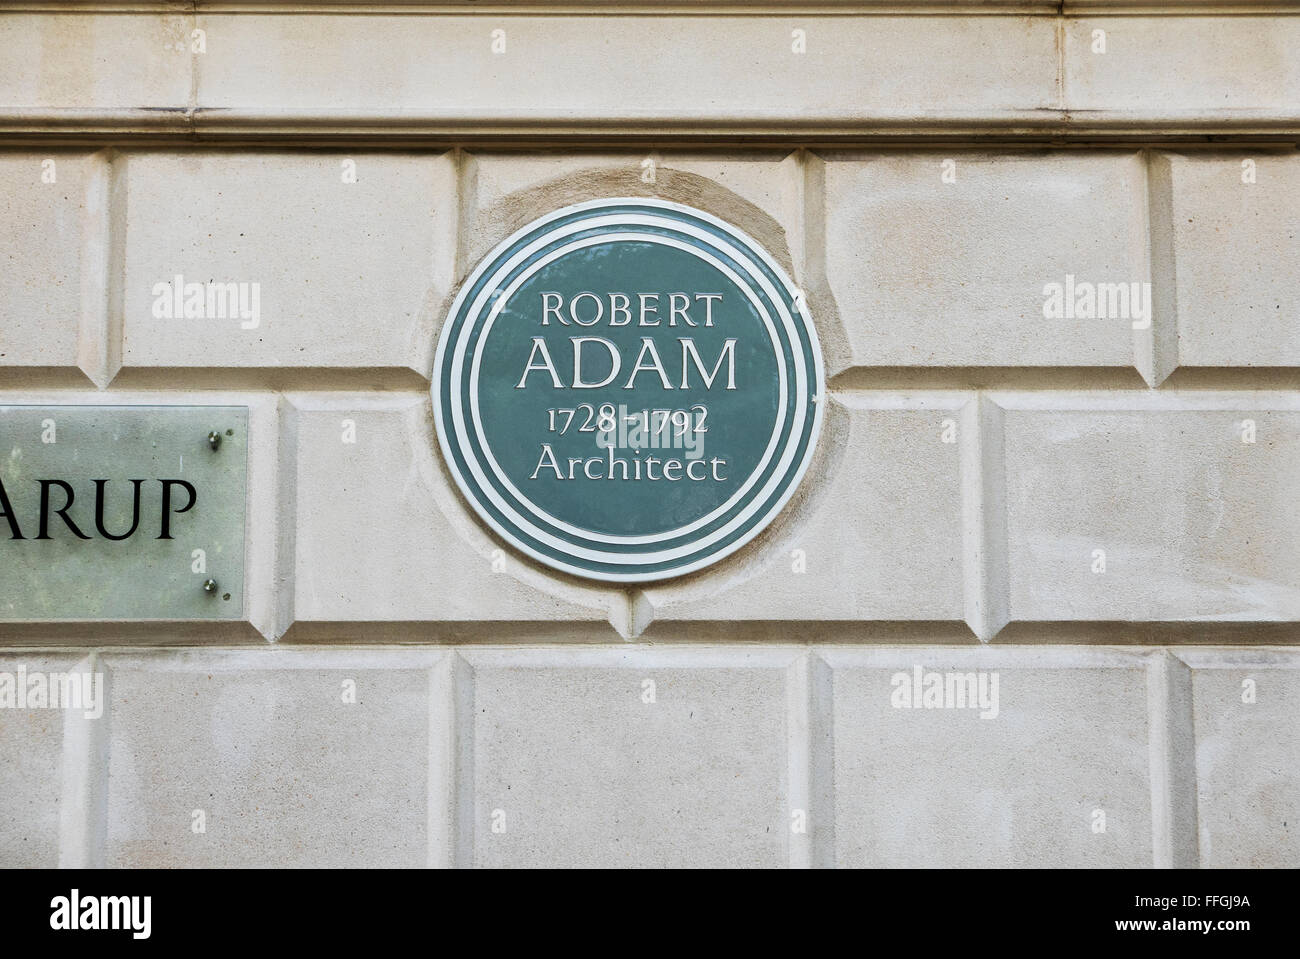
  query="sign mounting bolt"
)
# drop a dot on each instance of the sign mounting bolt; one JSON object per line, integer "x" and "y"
{"x": 214, "y": 439}
{"x": 210, "y": 586}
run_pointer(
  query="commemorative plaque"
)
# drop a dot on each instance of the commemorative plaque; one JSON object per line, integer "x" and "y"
{"x": 115, "y": 512}
{"x": 628, "y": 389}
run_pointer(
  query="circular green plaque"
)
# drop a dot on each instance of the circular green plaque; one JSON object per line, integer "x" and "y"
{"x": 628, "y": 389}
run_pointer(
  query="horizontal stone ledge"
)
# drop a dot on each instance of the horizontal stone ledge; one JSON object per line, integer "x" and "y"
{"x": 1033, "y": 637}
{"x": 1035, "y": 126}
{"x": 865, "y": 379}
{"x": 84, "y": 634}
{"x": 459, "y": 73}
{"x": 664, "y": 7}
{"x": 162, "y": 119}
{"x": 1198, "y": 633}
{"x": 845, "y": 385}
{"x": 764, "y": 123}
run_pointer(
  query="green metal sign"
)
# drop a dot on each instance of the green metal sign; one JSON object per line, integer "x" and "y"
{"x": 628, "y": 389}
{"x": 122, "y": 512}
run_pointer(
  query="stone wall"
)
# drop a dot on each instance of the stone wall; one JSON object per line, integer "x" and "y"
{"x": 1092, "y": 513}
